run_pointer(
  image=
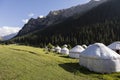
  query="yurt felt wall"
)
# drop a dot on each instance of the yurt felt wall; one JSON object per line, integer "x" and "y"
{"x": 65, "y": 50}
{"x": 99, "y": 58}
{"x": 58, "y": 49}
{"x": 75, "y": 52}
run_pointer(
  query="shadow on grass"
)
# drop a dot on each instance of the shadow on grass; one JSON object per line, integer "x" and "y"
{"x": 118, "y": 76}
{"x": 24, "y": 51}
{"x": 75, "y": 68}
{"x": 65, "y": 56}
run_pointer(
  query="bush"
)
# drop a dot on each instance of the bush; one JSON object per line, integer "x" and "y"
{"x": 50, "y": 46}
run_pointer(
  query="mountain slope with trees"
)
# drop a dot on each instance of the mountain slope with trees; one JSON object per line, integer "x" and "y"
{"x": 101, "y": 24}
{"x": 57, "y": 16}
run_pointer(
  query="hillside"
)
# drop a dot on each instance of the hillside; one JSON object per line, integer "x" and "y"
{"x": 57, "y": 16}
{"x": 7, "y": 37}
{"x": 29, "y": 63}
{"x": 100, "y": 24}
{"x": 1, "y": 39}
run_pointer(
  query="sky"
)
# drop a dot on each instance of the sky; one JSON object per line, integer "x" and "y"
{"x": 15, "y": 13}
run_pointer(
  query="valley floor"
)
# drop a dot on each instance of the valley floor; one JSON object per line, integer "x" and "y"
{"x": 29, "y": 63}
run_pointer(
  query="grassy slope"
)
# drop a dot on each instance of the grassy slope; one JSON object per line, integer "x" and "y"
{"x": 28, "y": 63}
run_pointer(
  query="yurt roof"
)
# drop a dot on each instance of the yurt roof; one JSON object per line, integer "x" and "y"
{"x": 64, "y": 45}
{"x": 84, "y": 46}
{"x": 99, "y": 51}
{"x": 77, "y": 48}
{"x": 115, "y": 45}
{"x": 65, "y": 49}
{"x": 57, "y": 47}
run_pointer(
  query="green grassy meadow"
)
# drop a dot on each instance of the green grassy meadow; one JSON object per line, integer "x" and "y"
{"x": 19, "y": 62}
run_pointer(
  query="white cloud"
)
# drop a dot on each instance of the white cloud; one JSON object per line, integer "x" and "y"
{"x": 6, "y": 30}
{"x": 31, "y": 14}
{"x": 25, "y": 21}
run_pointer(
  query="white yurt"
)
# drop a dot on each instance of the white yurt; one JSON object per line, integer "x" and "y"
{"x": 65, "y": 50}
{"x": 100, "y": 58}
{"x": 53, "y": 49}
{"x": 84, "y": 46}
{"x": 46, "y": 48}
{"x": 65, "y": 45}
{"x": 115, "y": 46}
{"x": 58, "y": 49}
{"x": 75, "y": 52}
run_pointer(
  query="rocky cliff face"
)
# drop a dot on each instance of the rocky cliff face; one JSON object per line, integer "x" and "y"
{"x": 79, "y": 9}
{"x": 55, "y": 17}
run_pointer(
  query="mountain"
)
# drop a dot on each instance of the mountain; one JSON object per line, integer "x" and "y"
{"x": 1, "y": 39}
{"x": 7, "y": 37}
{"x": 99, "y": 24}
{"x": 58, "y": 16}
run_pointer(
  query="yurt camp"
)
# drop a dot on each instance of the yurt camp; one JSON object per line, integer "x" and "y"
{"x": 57, "y": 49}
{"x": 99, "y": 58}
{"x": 75, "y": 52}
{"x": 115, "y": 46}
{"x": 65, "y": 50}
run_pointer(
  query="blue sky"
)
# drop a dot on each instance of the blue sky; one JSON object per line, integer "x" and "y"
{"x": 14, "y": 13}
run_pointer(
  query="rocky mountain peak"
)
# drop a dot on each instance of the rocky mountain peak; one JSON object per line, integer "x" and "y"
{"x": 57, "y": 16}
